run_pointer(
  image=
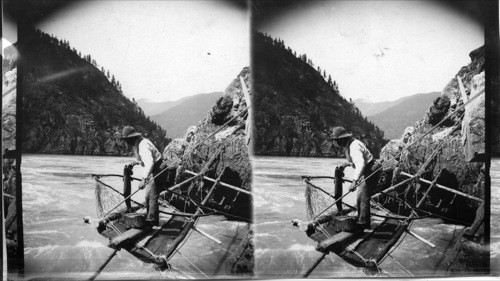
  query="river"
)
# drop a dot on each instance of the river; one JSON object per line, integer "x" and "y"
{"x": 284, "y": 251}
{"x": 495, "y": 216}
{"x": 58, "y": 192}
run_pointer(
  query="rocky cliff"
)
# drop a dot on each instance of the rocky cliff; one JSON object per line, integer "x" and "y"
{"x": 9, "y": 167}
{"x": 452, "y": 152}
{"x": 72, "y": 107}
{"x": 9, "y": 98}
{"x": 224, "y": 127}
{"x": 459, "y": 141}
{"x": 295, "y": 106}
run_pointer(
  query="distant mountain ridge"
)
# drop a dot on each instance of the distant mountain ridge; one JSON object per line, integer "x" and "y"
{"x": 399, "y": 114}
{"x": 369, "y": 108}
{"x": 72, "y": 107}
{"x": 152, "y": 108}
{"x": 295, "y": 106}
{"x": 180, "y": 114}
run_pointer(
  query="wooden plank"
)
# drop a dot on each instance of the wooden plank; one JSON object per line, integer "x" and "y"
{"x": 130, "y": 234}
{"x": 9, "y": 196}
{"x": 221, "y": 183}
{"x": 418, "y": 237}
{"x": 333, "y": 242}
{"x": 465, "y": 97}
{"x": 134, "y": 220}
{"x": 374, "y": 244}
{"x": 445, "y": 188}
{"x": 391, "y": 242}
{"x": 207, "y": 235}
{"x": 245, "y": 92}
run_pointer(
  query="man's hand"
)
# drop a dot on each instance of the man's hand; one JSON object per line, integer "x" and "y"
{"x": 345, "y": 165}
{"x": 310, "y": 228}
{"x": 353, "y": 186}
{"x": 133, "y": 163}
{"x": 142, "y": 185}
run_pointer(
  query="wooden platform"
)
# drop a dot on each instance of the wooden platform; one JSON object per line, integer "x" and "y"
{"x": 365, "y": 249}
{"x": 142, "y": 243}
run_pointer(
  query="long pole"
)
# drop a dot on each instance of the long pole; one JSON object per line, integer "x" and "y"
{"x": 310, "y": 270}
{"x": 103, "y": 265}
{"x": 128, "y": 197}
{"x": 200, "y": 174}
{"x": 188, "y": 225}
{"x": 445, "y": 188}
{"x": 221, "y": 183}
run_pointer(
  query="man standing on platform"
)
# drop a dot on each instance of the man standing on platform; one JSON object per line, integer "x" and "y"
{"x": 360, "y": 158}
{"x": 148, "y": 156}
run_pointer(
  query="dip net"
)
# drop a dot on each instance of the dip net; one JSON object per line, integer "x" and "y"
{"x": 317, "y": 200}
{"x": 106, "y": 198}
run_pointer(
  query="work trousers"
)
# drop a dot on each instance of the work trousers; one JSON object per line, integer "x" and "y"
{"x": 365, "y": 191}
{"x": 152, "y": 195}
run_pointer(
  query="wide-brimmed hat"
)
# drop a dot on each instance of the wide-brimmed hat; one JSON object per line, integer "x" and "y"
{"x": 129, "y": 132}
{"x": 339, "y": 132}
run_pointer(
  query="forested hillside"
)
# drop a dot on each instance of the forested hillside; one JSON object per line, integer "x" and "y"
{"x": 296, "y": 105}
{"x": 73, "y": 106}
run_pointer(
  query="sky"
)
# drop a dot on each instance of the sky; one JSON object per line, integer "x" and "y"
{"x": 159, "y": 50}
{"x": 378, "y": 50}
{"x": 9, "y": 32}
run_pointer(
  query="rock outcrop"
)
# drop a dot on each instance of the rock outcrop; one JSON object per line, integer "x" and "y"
{"x": 223, "y": 127}
{"x": 461, "y": 139}
{"x": 454, "y": 151}
{"x": 9, "y": 98}
{"x": 72, "y": 107}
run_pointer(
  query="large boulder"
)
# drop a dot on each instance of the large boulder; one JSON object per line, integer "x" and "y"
{"x": 9, "y": 98}
{"x": 473, "y": 125}
{"x": 447, "y": 144}
{"x": 223, "y": 128}
{"x": 459, "y": 141}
